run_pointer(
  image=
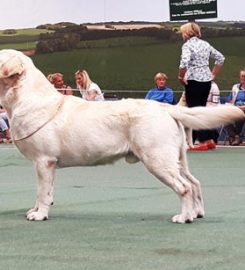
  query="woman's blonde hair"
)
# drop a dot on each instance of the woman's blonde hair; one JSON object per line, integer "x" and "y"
{"x": 189, "y": 30}
{"x": 54, "y": 76}
{"x": 86, "y": 79}
{"x": 160, "y": 75}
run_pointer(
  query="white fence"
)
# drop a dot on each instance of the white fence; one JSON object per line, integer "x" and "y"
{"x": 118, "y": 94}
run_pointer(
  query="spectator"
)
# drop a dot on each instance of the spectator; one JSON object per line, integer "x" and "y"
{"x": 161, "y": 92}
{"x": 214, "y": 95}
{"x": 237, "y": 98}
{"x": 4, "y": 126}
{"x": 213, "y": 100}
{"x": 89, "y": 90}
{"x": 195, "y": 74}
{"x": 57, "y": 79}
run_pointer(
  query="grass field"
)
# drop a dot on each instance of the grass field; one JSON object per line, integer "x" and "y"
{"x": 24, "y": 39}
{"x": 26, "y": 32}
{"x": 126, "y": 67}
{"x": 19, "y": 46}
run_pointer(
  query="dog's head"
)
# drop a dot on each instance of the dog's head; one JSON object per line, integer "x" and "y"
{"x": 12, "y": 63}
{"x": 13, "y": 66}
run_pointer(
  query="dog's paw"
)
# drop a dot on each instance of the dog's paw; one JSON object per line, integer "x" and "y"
{"x": 200, "y": 215}
{"x": 182, "y": 219}
{"x": 31, "y": 210}
{"x": 198, "y": 212}
{"x": 36, "y": 216}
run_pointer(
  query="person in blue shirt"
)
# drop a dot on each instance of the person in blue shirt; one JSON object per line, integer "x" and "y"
{"x": 161, "y": 92}
{"x": 237, "y": 98}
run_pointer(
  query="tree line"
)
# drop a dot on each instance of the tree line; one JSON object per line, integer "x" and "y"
{"x": 66, "y": 36}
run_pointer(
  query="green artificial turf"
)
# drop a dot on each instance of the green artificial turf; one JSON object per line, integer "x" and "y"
{"x": 119, "y": 217}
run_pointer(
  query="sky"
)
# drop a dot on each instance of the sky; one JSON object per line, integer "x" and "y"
{"x": 31, "y": 13}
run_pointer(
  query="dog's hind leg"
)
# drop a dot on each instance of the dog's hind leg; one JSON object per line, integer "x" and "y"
{"x": 198, "y": 205}
{"x": 167, "y": 171}
{"x": 45, "y": 169}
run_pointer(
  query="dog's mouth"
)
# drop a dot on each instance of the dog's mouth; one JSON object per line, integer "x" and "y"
{"x": 15, "y": 76}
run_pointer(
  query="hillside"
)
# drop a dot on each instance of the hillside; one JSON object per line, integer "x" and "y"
{"x": 129, "y": 62}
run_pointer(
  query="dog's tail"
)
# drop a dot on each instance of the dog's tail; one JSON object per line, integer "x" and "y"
{"x": 205, "y": 117}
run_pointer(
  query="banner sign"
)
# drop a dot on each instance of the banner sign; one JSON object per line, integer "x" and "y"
{"x": 192, "y": 9}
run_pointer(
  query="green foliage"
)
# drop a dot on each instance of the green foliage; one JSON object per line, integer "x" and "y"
{"x": 63, "y": 43}
{"x": 55, "y": 26}
{"x": 63, "y": 39}
{"x": 118, "y": 42}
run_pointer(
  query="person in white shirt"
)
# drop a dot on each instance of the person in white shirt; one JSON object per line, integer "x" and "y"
{"x": 214, "y": 95}
{"x": 89, "y": 90}
{"x": 237, "y": 98}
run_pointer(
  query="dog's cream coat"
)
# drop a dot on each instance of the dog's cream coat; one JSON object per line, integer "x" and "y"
{"x": 54, "y": 130}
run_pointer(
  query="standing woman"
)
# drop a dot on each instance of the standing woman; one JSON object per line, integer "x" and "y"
{"x": 196, "y": 76}
{"x": 88, "y": 89}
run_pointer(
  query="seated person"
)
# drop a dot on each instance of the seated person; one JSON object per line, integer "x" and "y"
{"x": 89, "y": 90}
{"x": 213, "y": 100}
{"x": 4, "y": 127}
{"x": 161, "y": 92}
{"x": 214, "y": 95}
{"x": 237, "y": 98}
{"x": 57, "y": 79}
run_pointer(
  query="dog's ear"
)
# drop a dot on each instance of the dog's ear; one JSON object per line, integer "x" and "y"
{"x": 11, "y": 67}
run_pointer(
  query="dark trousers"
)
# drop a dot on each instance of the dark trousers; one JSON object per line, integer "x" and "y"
{"x": 196, "y": 95}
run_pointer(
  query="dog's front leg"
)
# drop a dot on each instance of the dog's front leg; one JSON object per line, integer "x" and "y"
{"x": 45, "y": 169}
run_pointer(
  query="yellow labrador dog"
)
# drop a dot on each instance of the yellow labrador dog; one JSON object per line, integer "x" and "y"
{"x": 54, "y": 130}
